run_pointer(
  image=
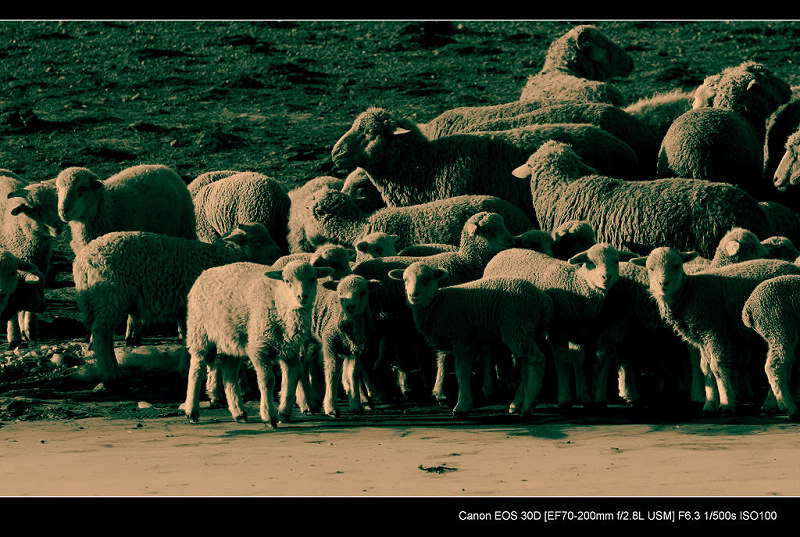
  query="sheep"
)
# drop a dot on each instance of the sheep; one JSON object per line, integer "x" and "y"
{"x": 29, "y": 224}
{"x": 637, "y": 216}
{"x": 358, "y": 184}
{"x": 713, "y": 144}
{"x": 148, "y": 275}
{"x": 631, "y": 130}
{"x": 536, "y": 239}
{"x": 781, "y": 124}
{"x": 376, "y": 244}
{"x": 341, "y": 323}
{"x": 572, "y": 237}
{"x": 338, "y": 258}
{"x": 332, "y": 216}
{"x": 787, "y": 174}
{"x": 661, "y": 109}
{"x": 298, "y": 201}
{"x": 140, "y": 198}
{"x": 243, "y": 197}
{"x": 482, "y": 236}
{"x": 461, "y": 318}
{"x": 783, "y": 220}
{"x": 21, "y": 287}
{"x": 577, "y": 66}
{"x": 247, "y": 310}
{"x": 773, "y": 312}
{"x": 779, "y": 247}
{"x": 208, "y": 177}
{"x": 705, "y": 309}
{"x": 577, "y": 288}
{"x": 408, "y": 169}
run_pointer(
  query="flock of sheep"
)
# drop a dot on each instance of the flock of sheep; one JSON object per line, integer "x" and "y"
{"x": 570, "y": 231}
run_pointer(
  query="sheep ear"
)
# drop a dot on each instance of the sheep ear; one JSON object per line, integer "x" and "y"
{"x": 21, "y": 208}
{"x": 579, "y": 259}
{"x": 638, "y": 261}
{"x": 688, "y": 256}
{"x": 400, "y": 130}
{"x": 30, "y": 278}
{"x": 753, "y": 83}
{"x": 396, "y": 274}
{"x": 733, "y": 247}
{"x": 323, "y": 272}
{"x": 331, "y": 284}
{"x": 274, "y": 274}
{"x": 18, "y": 193}
{"x": 522, "y": 172}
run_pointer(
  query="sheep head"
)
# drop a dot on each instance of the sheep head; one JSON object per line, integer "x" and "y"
{"x": 335, "y": 257}
{"x": 377, "y": 244}
{"x": 665, "y": 271}
{"x": 535, "y": 239}
{"x": 586, "y": 52}
{"x": 599, "y": 266}
{"x": 787, "y": 174}
{"x": 255, "y": 241}
{"x": 556, "y": 159}
{"x": 353, "y": 292}
{"x": 372, "y": 131}
{"x": 421, "y": 282}
{"x": 737, "y": 245}
{"x": 38, "y": 209}
{"x": 486, "y": 232}
{"x": 779, "y": 247}
{"x": 572, "y": 237}
{"x": 78, "y": 194}
{"x": 299, "y": 283}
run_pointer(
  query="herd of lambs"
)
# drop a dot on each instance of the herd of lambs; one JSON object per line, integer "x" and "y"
{"x": 571, "y": 233}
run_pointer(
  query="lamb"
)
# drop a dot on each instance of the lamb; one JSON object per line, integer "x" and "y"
{"x": 29, "y": 223}
{"x": 636, "y": 216}
{"x": 333, "y": 216}
{"x": 376, "y": 244}
{"x": 577, "y": 66}
{"x": 125, "y": 272}
{"x": 773, "y": 312}
{"x": 489, "y": 311}
{"x": 408, "y": 169}
{"x": 341, "y": 322}
{"x": 705, "y": 309}
{"x": 572, "y": 237}
{"x": 243, "y": 197}
{"x": 298, "y": 201}
{"x": 140, "y": 198}
{"x": 246, "y": 310}
{"x": 577, "y": 288}
{"x": 358, "y": 184}
{"x": 334, "y": 256}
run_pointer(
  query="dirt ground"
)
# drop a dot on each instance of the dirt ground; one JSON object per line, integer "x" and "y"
{"x": 274, "y": 96}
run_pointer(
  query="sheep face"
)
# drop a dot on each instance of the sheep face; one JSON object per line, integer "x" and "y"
{"x": 378, "y": 244}
{"x": 487, "y": 230}
{"x": 353, "y": 292}
{"x": 256, "y": 242}
{"x": 300, "y": 282}
{"x": 77, "y": 194}
{"x": 371, "y": 131}
{"x": 37, "y": 210}
{"x": 335, "y": 257}
{"x": 788, "y": 172}
{"x": 665, "y": 270}
{"x": 421, "y": 282}
{"x": 328, "y": 203}
{"x": 599, "y": 265}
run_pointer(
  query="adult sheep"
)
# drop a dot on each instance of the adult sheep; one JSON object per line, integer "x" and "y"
{"x": 140, "y": 198}
{"x": 332, "y": 216}
{"x": 242, "y": 197}
{"x": 298, "y": 200}
{"x": 659, "y": 110}
{"x": 636, "y": 216}
{"x": 247, "y": 310}
{"x": 205, "y": 178}
{"x": 578, "y": 66}
{"x": 409, "y": 169}
{"x": 147, "y": 276}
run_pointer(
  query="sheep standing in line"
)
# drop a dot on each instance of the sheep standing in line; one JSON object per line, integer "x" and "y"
{"x": 577, "y": 66}
{"x": 298, "y": 201}
{"x": 341, "y": 323}
{"x": 333, "y": 217}
{"x": 577, "y": 288}
{"x": 148, "y": 276}
{"x": 407, "y": 168}
{"x": 636, "y": 216}
{"x": 246, "y": 310}
{"x": 243, "y": 197}
{"x": 29, "y": 223}
{"x": 705, "y": 309}
{"x": 773, "y": 311}
{"x": 491, "y": 311}
{"x": 141, "y": 198}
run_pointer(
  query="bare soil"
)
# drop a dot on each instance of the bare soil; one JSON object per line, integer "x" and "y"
{"x": 274, "y": 97}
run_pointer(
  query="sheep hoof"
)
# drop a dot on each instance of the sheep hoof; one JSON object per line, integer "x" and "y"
{"x": 241, "y": 418}
{"x": 332, "y": 413}
{"x": 193, "y": 417}
{"x": 286, "y": 418}
{"x": 459, "y": 413}
{"x": 272, "y": 423}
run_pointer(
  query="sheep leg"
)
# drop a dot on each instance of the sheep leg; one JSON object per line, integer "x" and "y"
{"x": 626, "y": 383}
{"x": 290, "y": 372}
{"x": 711, "y": 400}
{"x": 133, "y": 331}
{"x": 13, "y": 333}
{"x": 578, "y": 355}
{"x": 28, "y": 324}
{"x": 333, "y": 374}
{"x": 266, "y": 386}
{"x": 532, "y": 368}
{"x": 350, "y": 377}
{"x": 213, "y": 384}
{"x": 103, "y": 349}
{"x": 696, "y": 390}
{"x": 464, "y": 358}
{"x": 561, "y": 359}
{"x": 438, "y": 386}
{"x": 197, "y": 369}
{"x": 303, "y": 392}
{"x": 778, "y": 369}
{"x": 720, "y": 355}
{"x": 229, "y": 367}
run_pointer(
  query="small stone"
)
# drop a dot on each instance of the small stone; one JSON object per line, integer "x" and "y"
{"x": 145, "y": 404}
